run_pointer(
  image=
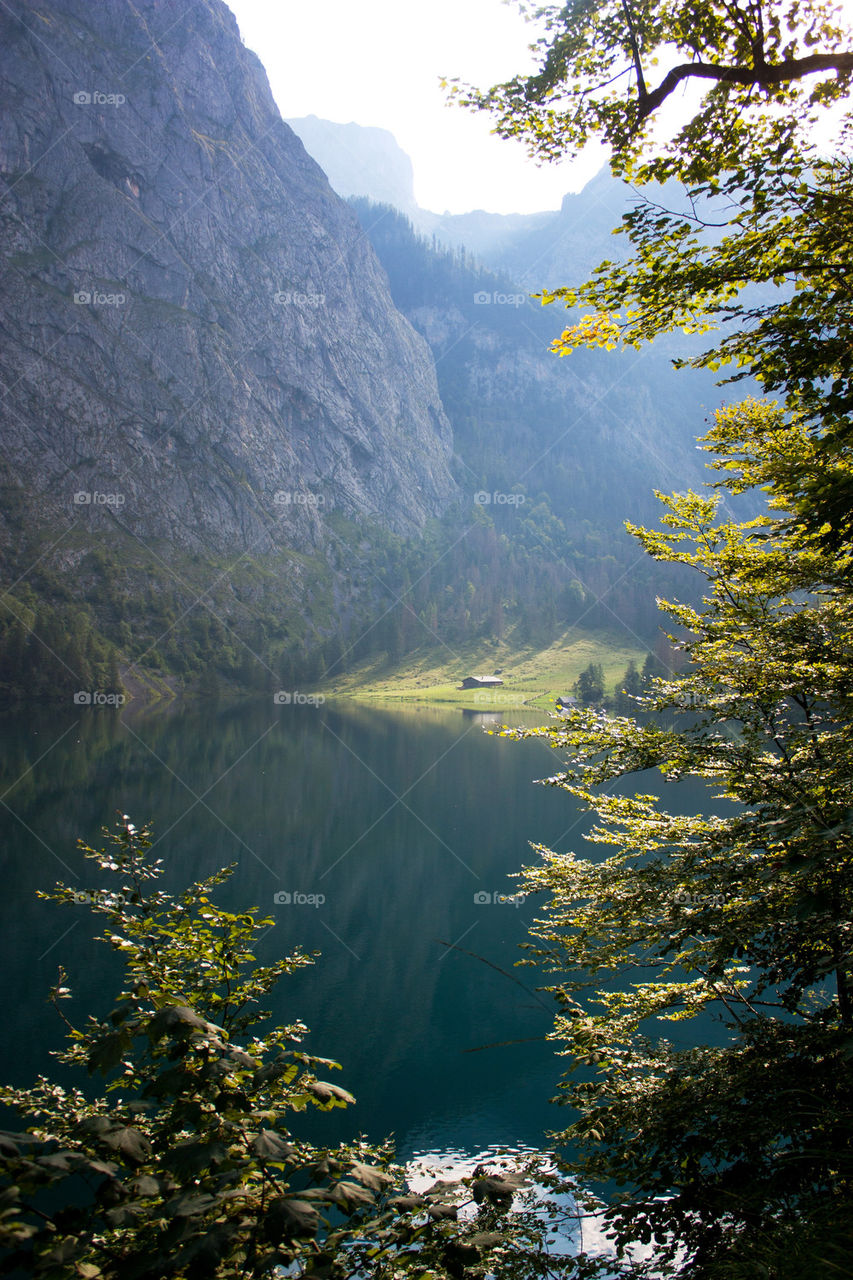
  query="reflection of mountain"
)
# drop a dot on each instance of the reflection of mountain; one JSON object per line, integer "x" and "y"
{"x": 398, "y": 818}
{"x": 307, "y": 801}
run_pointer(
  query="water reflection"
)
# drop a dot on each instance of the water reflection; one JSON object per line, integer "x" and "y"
{"x": 374, "y": 829}
{"x": 383, "y": 838}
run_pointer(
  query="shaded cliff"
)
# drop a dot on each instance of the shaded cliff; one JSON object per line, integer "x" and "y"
{"x": 192, "y": 318}
{"x": 200, "y": 356}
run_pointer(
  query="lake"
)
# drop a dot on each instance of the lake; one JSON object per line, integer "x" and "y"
{"x": 376, "y": 836}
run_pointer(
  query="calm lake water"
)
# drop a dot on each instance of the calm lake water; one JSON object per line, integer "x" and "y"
{"x": 397, "y": 818}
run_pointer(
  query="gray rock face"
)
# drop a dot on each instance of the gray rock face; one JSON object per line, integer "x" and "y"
{"x": 197, "y": 337}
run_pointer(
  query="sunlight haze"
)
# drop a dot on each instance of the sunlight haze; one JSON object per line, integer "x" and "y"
{"x": 379, "y": 63}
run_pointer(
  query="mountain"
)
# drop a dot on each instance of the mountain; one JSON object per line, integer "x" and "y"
{"x": 560, "y": 453}
{"x": 248, "y": 439}
{"x": 586, "y": 439}
{"x": 203, "y": 371}
{"x": 185, "y": 284}
{"x": 564, "y": 246}
{"x": 360, "y": 161}
{"x": 363, "y": 162}
{"x": 533, "y": 249}
{"x": 563, "y": 450}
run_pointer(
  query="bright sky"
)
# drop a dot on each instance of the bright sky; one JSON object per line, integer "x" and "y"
{"x": 378, "y": 62}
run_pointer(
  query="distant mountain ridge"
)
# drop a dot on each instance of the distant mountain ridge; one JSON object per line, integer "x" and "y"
{"x": 356, "y": 157}
{"x": 582, "y": 443}
{"x": 560, "y": 452}
{"x": 362, "y": 161}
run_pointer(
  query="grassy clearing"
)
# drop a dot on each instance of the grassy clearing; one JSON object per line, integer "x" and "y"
{"x": 532, "y": 677}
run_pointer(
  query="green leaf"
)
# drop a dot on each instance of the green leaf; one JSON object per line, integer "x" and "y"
{"x": 269, "y": 1145}
{"x": 288, "y": 1218}
{"x": 191, "y": 1205}
{"x": 332, "y": 1094}
{"x": 369, "y": 1176}
{"x": 349, "y": 1194}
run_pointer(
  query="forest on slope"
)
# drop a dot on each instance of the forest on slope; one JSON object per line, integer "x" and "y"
{"x": 232, "y": 492}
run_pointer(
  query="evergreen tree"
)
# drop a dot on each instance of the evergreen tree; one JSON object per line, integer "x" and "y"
{"x": 735, "y": 1155}
{"x": 589, "y": 685}
{"x": 629, "y": 689}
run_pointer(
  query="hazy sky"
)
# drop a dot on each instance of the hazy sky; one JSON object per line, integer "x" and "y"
{"x": 378, "y": 62}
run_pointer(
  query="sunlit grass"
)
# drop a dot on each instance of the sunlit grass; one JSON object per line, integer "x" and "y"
{"x": 532, "y": 676}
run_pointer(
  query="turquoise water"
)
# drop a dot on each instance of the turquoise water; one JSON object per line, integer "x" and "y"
{"x": 383, "y": 827}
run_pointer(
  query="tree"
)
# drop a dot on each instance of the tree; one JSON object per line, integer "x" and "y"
{"x": 769, "y": 68}
{"x": 761, "y": 207}
{"x": 733, "y": 1154}
{"x": 629, "y": 689}
{"x": 652, "y": 667}
{"x": 589, "y": 685}
{"x": 185, "y": 1164}
{"x": 189, "y": 1167}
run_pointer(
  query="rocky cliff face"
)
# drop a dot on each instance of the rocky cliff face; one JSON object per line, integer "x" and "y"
{"x": 198, "y": 344}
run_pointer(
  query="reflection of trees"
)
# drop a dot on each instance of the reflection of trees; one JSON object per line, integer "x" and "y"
{"x": 299, "y": 787}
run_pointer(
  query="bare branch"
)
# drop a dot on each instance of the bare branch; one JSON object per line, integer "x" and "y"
{"x": 635, "y": 52}
{"x": 768, "y": 74}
